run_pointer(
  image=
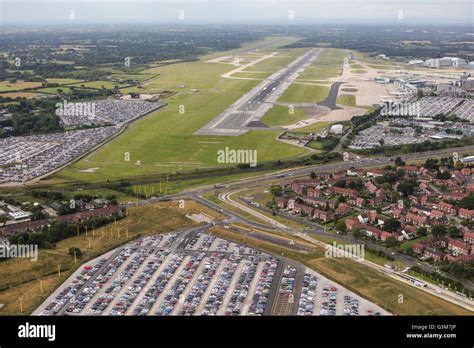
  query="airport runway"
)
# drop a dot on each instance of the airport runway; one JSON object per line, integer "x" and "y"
{"x": 251, "y": 107}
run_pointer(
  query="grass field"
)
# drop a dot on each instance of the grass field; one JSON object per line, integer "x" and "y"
{"x": 54, "y": 90}
{"x": 6, "y": 86}
{"x": 348, "y": 100}
{"x": 280, "y": 115}
{"x": 14, "y": 95}
{"x": 63, "y": 81}
{"x": 98, "y": 84}
{"x": 381, "y": 67}
{"x": 164, "y": 141}
{"x": 327, "y": 65}
{"x": 313, "y": 127}
{"x": 21, "y": 277}
{"x": 302, "y": 93}
{"x": 252, "y": 74}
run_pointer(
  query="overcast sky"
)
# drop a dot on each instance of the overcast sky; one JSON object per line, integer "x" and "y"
{"x": 236, "y": 11}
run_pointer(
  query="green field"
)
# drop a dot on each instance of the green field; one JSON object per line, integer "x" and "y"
{"x": 6, "y": 86}
{"x": 63, "y": 81}
{"x": 348, "y": 100}
{"x": 303, "y": 93}
{"x": 327, "y": 65}
{"x": 98, "y": 84}
{"x": 312, "y": 128}
{"x": 54, "y": 90}
{"x": 163, "y": 141}
{"x": 381, "y": 67}
{"x": 252, "y": 74}
{"x": 280, "y": 116}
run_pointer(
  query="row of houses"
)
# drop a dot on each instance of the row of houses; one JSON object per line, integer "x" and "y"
{"x": 36, "y": 225}
{"x": 457, "y": 250}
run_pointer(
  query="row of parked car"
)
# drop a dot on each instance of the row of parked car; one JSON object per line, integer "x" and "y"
{"x": 287, "y": 283}
{"x": 329, "y": 300}
{"x": 127, "y": 299}
{"x": 152, "y": 294}
{"x": 68, "y": 294}
{"x": 201, "y": 242}
{"x": 120, "y": 281}
{"x": 308, "y": 294}
{"x": 242, "y": 287}
{"x": 175, "y": 293}
{"x": 264, "y": 284}
{"x": 351, "y": 306}
{"x": 196, "y": 293}
{"x": 216, "y": 297}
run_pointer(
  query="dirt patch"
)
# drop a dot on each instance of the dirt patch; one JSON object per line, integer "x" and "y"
{"x": 349, "y": 89}
{"x": 90, "y": 170}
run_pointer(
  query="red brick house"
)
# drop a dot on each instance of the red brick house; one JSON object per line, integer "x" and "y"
{"x": 419, "y": 247}
{"x": 468, "y": 237}
{"x": 84, "y": 215}
{"x": 466, "y": 214}
{"x": 464, "y": 258}
{"x": 436, "y": 214}
{"x": 353, "y": 223}
{"x": 303, "y": 209}
{"x": 298, "y": 188}
{"x": 447, "y": 208}
{"x": 314, "y": 192}
{"x": 458, "y": 247}
{"x": 371, "y": 187}
{"x": 409, "y": 169}
{"x": 342, "y": 209}
{"x": 416, "y": 219}
{"x": 436, "y": 255}
{"x": 343, "y": 192}
{"x": 23, "y": 227}
{"x": 373, "y": 232}
{"x": 323, "y": 215}
{"x": 282, "y": 202}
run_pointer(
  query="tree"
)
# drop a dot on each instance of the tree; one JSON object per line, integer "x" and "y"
{"x": 406, "y": 187}
{"x": 443, "y": 176}
{"x": 76, "y": 251}
{"x": 431, "y": 163}
{"x": 453, "y": 231}
{"x": 3, "y": 219}
{"x": 459, "y": 165}
{"x": 341, "y": 226}
{"x": 399, "y": 162}
{"x": 340, "y": 183}
{"x": 467, "y": 202}
{"x": 391, "y": 225}
{"x": 276, "y": 190}
{"x": 391, "y": 242}
{"x": 439, "y": 230}
{"x": 357, "y": 233}
{"x": 313, "y": 175}
{"x": 421, "y": 231}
